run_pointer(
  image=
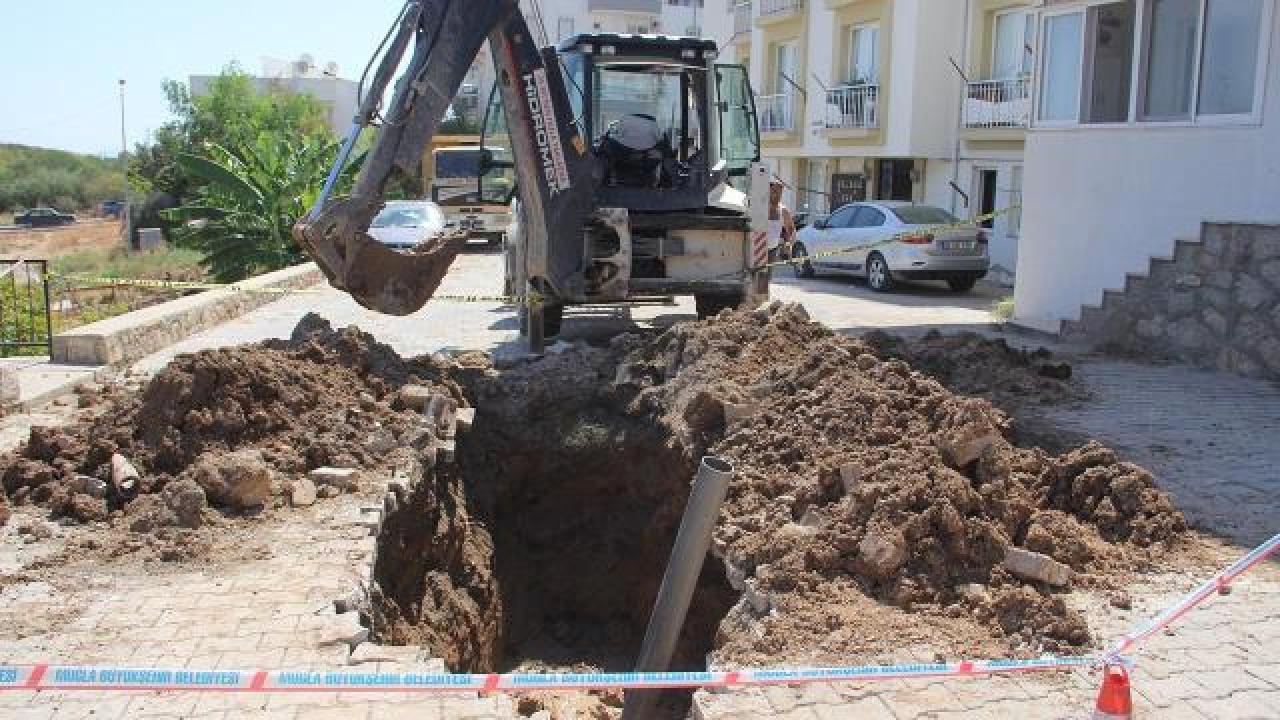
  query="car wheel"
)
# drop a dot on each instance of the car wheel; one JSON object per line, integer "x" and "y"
{"x": 800, "y": 261}
{"x": 879, "y": 278}
{"x": 962, "y": 284}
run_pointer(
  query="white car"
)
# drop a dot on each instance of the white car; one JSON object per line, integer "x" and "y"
{"x": 405, "y": 224}
{"x": 891, "y": 241}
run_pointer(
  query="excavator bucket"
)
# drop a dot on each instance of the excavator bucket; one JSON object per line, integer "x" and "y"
{"x": 446, "y": 36}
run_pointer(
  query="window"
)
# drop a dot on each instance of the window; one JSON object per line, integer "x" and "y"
{"x": 1110, "y": 47}
{"x": 784, "y": 68}
{"x": 924, "y": 215}
{"x": 1229, "y": 68}
{"x": 1187, "y": 59}
{"x": 1060, "y": 101}
{"x": 564, "y": 28}
{"x": 864, "y": 55}
{"x": 868, "y": 217}
{"x": 1014, "y": 37}
{"x": 843, "y": 217}
{"x": 1013, "y": 225}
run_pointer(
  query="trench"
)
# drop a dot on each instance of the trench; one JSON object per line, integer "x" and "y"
{"x": 543, "y": 548}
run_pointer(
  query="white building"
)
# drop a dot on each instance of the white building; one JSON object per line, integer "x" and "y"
{"x": 923, "y": 100}
{"x": 1150, "y": 118}
{"x": 301, "y": 76}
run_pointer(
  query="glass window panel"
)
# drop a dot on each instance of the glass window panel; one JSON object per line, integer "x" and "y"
{"x": 1060, "y": 99}
{"x": 1112, "y": 68}
{"x": 1229, "y": 65}
{"x": 1009, "y": 60}
{"x": 1171, "y": 58}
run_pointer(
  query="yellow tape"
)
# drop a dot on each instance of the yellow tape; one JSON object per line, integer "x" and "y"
{"x": 532, "y": 298}
{"x": 890, "y": 239}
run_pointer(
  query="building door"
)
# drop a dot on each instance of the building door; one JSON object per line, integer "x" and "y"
{"x": 893, "y": 180}
{"x": 985, "y": 182}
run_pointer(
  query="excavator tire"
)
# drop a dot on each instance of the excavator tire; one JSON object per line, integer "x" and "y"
{"x": 711, "y": 305}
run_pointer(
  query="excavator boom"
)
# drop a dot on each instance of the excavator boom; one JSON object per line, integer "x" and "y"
{"x": 445, "y": 36}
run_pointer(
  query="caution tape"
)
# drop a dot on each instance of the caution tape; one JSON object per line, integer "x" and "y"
{"x": 79, "y": 677}
{"x": 887, "y": 240}
{"x": 105, "y": 679}
{"x": 1215, "y": 584}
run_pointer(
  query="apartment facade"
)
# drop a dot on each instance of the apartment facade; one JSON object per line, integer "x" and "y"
{"x": 922, "y": 100}
{"x": 301, "y": 76}
{"x": 1151, "y": 118}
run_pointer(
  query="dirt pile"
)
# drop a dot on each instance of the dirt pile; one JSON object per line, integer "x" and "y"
{"x": 230, "y": 427}
{"x": 861, "y": 478}
{"x": 971, "y": 364}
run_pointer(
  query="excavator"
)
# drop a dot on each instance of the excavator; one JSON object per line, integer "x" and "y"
{"x": 625, "y": 158}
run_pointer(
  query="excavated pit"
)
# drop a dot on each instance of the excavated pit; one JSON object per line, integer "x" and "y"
{"x": 543, "y": 546}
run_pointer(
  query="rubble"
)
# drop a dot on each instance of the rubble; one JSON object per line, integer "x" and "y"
{"x": 303, "y": 493}
{"x": 1036, "y": 567}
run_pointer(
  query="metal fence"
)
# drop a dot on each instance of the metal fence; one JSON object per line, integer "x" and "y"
{"x": 26, "y": 323}
{"x": 780, "y": 7}
{"x": 853, "y": 106}
{"x": 777, "y": 112}
{"x": 998, "y": 104}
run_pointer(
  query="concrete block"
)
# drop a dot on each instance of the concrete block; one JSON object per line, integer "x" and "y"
{"x": 342, "y": 478}
{"x": 1036, "y": 566}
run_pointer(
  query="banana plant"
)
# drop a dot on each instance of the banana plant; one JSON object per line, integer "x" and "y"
{"x": 241, "y": 217}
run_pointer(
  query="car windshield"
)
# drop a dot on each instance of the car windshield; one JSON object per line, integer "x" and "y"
{"x": 407, "y": 216}
{"x": 923, "y": 215}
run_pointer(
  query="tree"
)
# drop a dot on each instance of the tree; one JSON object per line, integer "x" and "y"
{"x": 242, "y": 214}
{"x": 232, "y": 114}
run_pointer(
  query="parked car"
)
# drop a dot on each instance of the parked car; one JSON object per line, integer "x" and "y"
{"x": 43, "y": 217}
{"x": 927, "y": 243}
{"x": 404, "y": 224}
{"x": 112, "y": 208}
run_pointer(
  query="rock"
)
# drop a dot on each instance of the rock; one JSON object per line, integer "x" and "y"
{"x": 89, "y": 485}
{"x": 1121, "y": 599}
{"x": 5, "y": 514}
{"x": 1036, "y": 566}
{"x": 850, "y": 477}
{"x": 881, "y": 553}
{"x": 10, "y": 391}
{"x": 124, "y": 476}
{"x": 466, "y": 417}
{"x": 756, "y": 599}
{"x": 86, "y": 508}
{"x": 446, "y": 450}
{"x": 966, "y": 433}
{"x": 367, "y": 402}
{"x": 37, "y": 529}
{"x": 344, "y": 629}
{"x": 1251, "y": 292}
{"x": 974, "y": 592}
{"x": 240, "y": 480}
{"x": 304, "y": 493}
{"x": 186, "y": 499}
{"x": 737, "y": 413}
{"x": 327, "y": 491}
{"x": 415, "y": 397}
{"x": 342, "y": 478}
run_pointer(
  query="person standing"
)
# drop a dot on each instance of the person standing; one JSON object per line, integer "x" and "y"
{"x": 782, "y": 226}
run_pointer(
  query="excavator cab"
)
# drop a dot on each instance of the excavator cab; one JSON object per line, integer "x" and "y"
{"x": 668, "y": 133}
{"x": 627, "y": 157}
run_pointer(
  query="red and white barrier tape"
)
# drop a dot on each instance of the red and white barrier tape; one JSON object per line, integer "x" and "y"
{"x": 76, "y": 677}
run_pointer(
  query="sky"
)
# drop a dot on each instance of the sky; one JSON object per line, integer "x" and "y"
{"x": 61, "y": 60}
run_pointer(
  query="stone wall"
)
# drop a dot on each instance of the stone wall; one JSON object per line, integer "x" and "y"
{"x": 1215, "y": 303}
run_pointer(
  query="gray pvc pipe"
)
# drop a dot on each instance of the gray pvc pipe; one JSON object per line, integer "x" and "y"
{"x": 681, "y": 579}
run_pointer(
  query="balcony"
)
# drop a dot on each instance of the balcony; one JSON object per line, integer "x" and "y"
{"x": 853, "y": 107}
{"x": 998, "y": 104}
{"x": 777, "y": 10}
{"x": 742, "y": 20}
{"x": 777, "y": 113}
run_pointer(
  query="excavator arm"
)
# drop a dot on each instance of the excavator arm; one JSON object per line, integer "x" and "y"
{"x": 551, "y": 159}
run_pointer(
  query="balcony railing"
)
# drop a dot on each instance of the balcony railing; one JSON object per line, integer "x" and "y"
{"x": 777, "y": 112}
{"x": 853, "y": 106}
{"x": 998, "y": 104}
{"x": 742, "y": 19}
{"x": 779, "y": 7}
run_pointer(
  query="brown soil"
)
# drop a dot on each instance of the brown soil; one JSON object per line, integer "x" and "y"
{"x": 869, "y": 516}
{"x": 323, "y": 398}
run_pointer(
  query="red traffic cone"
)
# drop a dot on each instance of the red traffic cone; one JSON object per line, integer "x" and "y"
{"x": 1115, "y": 701}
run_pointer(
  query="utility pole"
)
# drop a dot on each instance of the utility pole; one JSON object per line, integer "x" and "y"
{"x": 124, "y": 147}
